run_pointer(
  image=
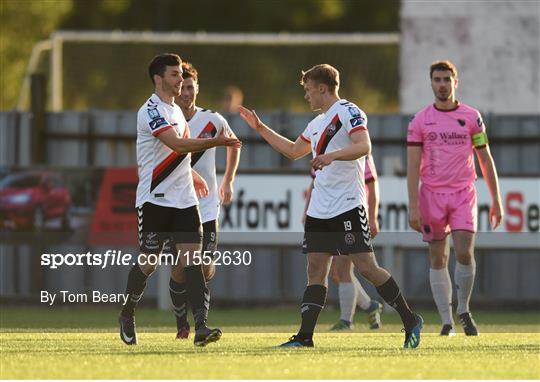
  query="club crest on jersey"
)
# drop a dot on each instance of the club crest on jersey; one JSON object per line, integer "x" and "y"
{"x": 354, "y": 111}
{"x": 358, "y": 121}
{"x": 153, "y": 113}
{"x": 432, "y": 136}
{"x": 331, "y": 129}
{"x": 461, "y": 122}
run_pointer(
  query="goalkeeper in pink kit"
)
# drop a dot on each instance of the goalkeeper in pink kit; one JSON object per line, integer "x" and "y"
{"x": 440, "y": 139}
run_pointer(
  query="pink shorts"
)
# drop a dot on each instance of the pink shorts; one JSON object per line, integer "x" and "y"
{"x": 441, "y": 213}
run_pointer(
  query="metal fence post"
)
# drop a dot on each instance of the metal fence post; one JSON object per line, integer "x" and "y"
{"x": 39, "y": 120}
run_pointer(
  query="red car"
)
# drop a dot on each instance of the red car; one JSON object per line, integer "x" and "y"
{"x": 29, "y": 199}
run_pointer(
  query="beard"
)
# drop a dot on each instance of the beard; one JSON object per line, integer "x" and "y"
{"x": 444, "y": 96}
{"x": 185, "y": 103}
{"x": 171, "y": 89}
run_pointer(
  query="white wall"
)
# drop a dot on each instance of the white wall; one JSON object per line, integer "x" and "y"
{"x": 494, "y": 44}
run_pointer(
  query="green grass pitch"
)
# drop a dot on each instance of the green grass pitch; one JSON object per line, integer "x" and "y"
{"x": 82, "y": 343}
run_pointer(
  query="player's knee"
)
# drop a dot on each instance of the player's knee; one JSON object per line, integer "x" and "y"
{"x": 342, "y": 266}
{"x": 178, "y": 275}
{"x": 367, "y": 269}
{"x": 317, "y": 268}
{"x": 439, "y": 261}
{"x": 366, "y": 272}
{"x": 464, "y": 257}
{"x": 148, "y": 269}
{"x": 344, "y": 273}
{"x": 317, "y": 273}
{"x": 209, "y": 271}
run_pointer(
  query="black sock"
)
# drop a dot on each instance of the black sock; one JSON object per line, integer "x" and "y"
{"x": 179, "y": 301}
{"x": 312, "y": 304}
{"x": 134, "y": 289}
{"x": 391, "y": 293}
{"x": 206, "y": 299}
{"x": 197, "y": 294}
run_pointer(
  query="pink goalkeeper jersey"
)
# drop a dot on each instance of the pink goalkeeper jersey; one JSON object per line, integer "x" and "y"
{"x": 371, "y": 172}
{"x": 447, "y": 163}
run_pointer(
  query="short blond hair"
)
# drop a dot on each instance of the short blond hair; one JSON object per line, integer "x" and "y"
{"x": 323, "y": 74}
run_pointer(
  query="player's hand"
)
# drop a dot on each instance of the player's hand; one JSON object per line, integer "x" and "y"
{"x": 250, "y": 117}
{"x": 226, "y": 192}
{"x": 496, "y": 214}
{"x": 224, "y": 140}
{"x": 201, "y": 188}
{"x": 374, "y": 227}
{"x": 321, "y": 161}
{"x": 414, "y": 219}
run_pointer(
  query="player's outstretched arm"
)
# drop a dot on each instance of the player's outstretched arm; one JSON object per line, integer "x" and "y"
{"x": 171, "y": 138}
{"x": 414, "y": 155}
{"x": 373, "y": 207}
{"x": 226, "y": 189}
{"x": 292, "y": 150}
{"x": 308, "y": 199}
{"x": 360, "y": 147}
{"x": 487, "y": 165}
{"x": 200, "y": 185}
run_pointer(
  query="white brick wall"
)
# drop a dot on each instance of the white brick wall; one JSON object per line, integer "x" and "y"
{"x": 494, "y": 44}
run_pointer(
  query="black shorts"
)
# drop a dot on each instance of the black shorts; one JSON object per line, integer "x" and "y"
{"x": 341, "y": 235}
{"x": 158, "y": 224}
{"x": 210, "y": 237}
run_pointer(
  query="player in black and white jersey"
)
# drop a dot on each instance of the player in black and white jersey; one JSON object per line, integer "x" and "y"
{"x": 336, "y": 220}
{"x": 166, "y": 198}
{"x": 203, "y": 123}
{"x": 351, "y": 292}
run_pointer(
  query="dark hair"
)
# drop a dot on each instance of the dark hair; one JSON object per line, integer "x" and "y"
{"x": 189, "y": 71}
{"x": 324, "y": 74}
{"x": 160, "y": 62}
{"x": 442, "y": 65}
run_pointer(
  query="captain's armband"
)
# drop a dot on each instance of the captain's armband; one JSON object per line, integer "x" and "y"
{"x": 479, "y": 140}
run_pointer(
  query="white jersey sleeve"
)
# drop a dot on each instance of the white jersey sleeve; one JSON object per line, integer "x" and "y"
{"x": 306, "y": 134}
{"x": 353, "y": 118}
{"x": 155, "y": 118}
{"x": 223, "y": 126}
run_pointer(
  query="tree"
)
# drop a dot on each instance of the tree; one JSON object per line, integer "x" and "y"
{"x": 22, "y": 24}
{"x": 25, "y": 22}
